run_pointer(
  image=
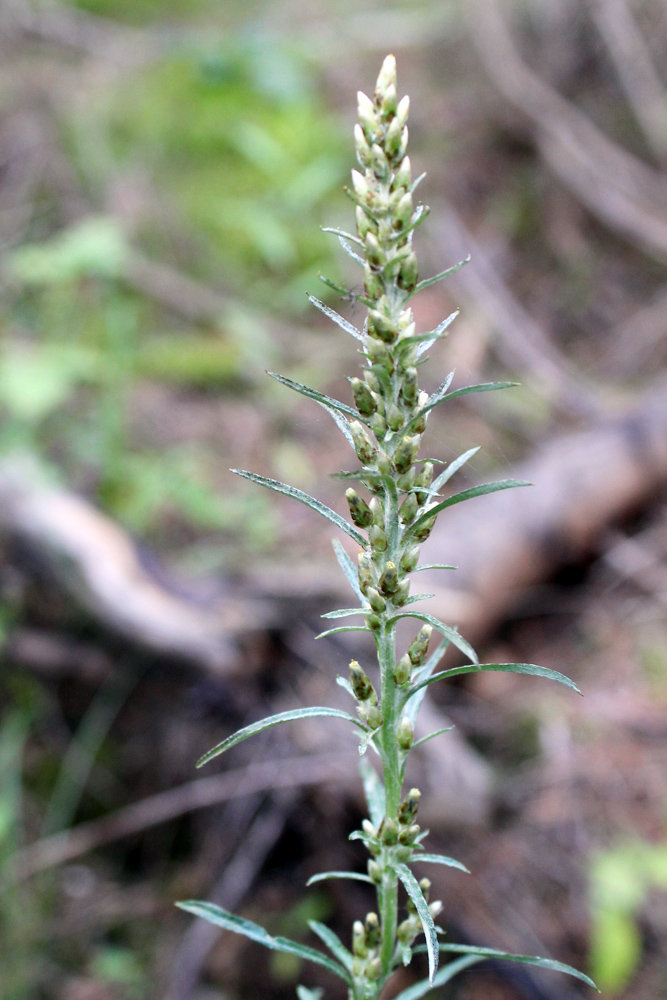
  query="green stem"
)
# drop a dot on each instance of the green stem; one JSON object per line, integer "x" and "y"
{"x": 392, "y": 784}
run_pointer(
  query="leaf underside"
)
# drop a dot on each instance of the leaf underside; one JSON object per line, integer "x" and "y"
{"x": 440, "y": 859}
{"x": 333, "y": 943}
{"x": 416, "y": 895}
{"x": 508, "y": 668}
{"x": 475, "y": 491}
{"x": 373, "y": 790}
{"x": 352, "y": 876}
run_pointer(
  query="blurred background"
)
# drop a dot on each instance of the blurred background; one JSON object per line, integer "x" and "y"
{"x": 165, "y": 168}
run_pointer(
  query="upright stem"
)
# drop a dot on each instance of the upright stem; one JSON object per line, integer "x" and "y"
{"x": 392, "y": 785}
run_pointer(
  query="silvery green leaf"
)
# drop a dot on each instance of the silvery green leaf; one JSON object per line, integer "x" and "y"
{"x": 304, "y": 498}
{"x": 346, "y": 612}
{"x": 319, "y": 397}
{"x": 437, "y": 333}
{"x": 348, "y": 568}
{"x": 445, "y": 630}
{"x": 441, "y": 859}
{"x": 427, "y": 282}
{"x": 415, "y": 184}
{"x": 439, "y": 394}
{"x": 353, "y": 876}
{"x": 229, "y": 922}
{"x": 432, "y": 736}
{"x": 333, "y": 315}
{"x": 358, "y": 475}
{"x": 505, "y": 956}
{"x": 373, "y": 790}
{"x": 304, "y": 993}
{"x": 414, "y": 702}
{"x": 350, "y": 252}
{"x": 366, "y": 741}
{"x": 453, "y": 467}
{"x": 433, "y": 566}
{"x": 341, "y": 232}
{"x": 333, "y": 943}
{"x": 482, "y": 387}
{"x": 343, "y": 628}
{"x": 345, "y": 684}
{"x": 406, "y": 952}
{"x": 419, "y": 597}
{"x": 508, "y": 668}
{"x": 417, "y": 897}
{"x": 346, "y": 293}
{"x": 275, "y": 720}
{"x": 341, "y": 423}
{"x": 443, "y": 976}
{"x": 475, "y": 491}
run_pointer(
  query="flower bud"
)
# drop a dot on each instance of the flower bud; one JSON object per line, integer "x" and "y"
{"x": 402, "y": 110}
{"x": 360, "y": 683}
{"x": 379, "y": 355}
{"x": 372, "y": 622}
{"x": 402, "y": 593}
{"x": 378, "y": 425}
{"x": 403, "y": 211}
{"x": 407, "y": 480}
{"x": 422, "y": 533}
{"x": 405, "y": 453}
{"x": 359, "y": 946}
{"x": 409, "y": 273}
{"x": 407, "y": 930}
{"x": 366, "y": 576}
{"x": 374, "y": 252}
{"x": 374, "y": 969}
{"x": 368, "y": 828}
{"x": 408, "y": 807}
{"x": 363, "y": 445}
{"x": 425, "y": 478}
{"x": 359, "y": 509}
{"x": 375, "y": 872}
{"x": 394, "y": 417}
{"x": 363, "y": 397}
{"x": 400, "y": 152}
{"x": 377, "y": 538}
{"x": 367, "y": 116}
{"x": 394, "y": 198}
{"x": 410, "y": 559}
{"x": 403, "y": 176}
{"x": 403, "y": 670}
{"x": 392, "y": 139}
{"x": 364, "y": 224}
{"x": 379, "y": 163}
{"x": 389, "y": 832}
{"x": 383, "y": 463}
{"x": 381, "y": 326}
{"x": 405, "y": 734}
{"x": 363, "y": 150}
{"x": 410, "y": 387}
{"x": 409, "y": 508}
{"x": 374, "y": 717}
{"x": 360, "y": 184}
{"x": 387, "y": 76}
{"x": 419, "y": 645}
{"x": 377, "y": 511}
{"x": 372, "y": 282}
{"x": 435, "y": 908}
{"x": 425, "y": 886}
{"x": 376, "y": 601}
{"x": 388, "y": 579}
{"x": 373, "y": 933}
{"x": 402, "y": 853}
{"x": 372, "y": 381}
{"x": 409, "y": 834}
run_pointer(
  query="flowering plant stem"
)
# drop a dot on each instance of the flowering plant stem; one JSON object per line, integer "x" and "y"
{"x": 384, "y": 428}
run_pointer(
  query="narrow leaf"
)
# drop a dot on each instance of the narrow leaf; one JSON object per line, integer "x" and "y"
{"x": 438, "y": 395}
{"x": 427, "y": 282}
{"x": 229, "y": 922}
{"x": 373, "y": 790}
{"x": 291, "y": 491}
{"x": 445, "y": 974}
{"x": 417, "y": 897}
{"x": 441, "y": 859}
{"x": 453, "y": 467}
{"x": 508, "y": 668}
{"x": 343, "y": 628}
{"x": 341, "y": 423}
{"x": 345, "y": 684}
{"x": 419, "y": 597}
{"x": 333, "y": 943}
{"x": 475, "y": 491}
{"x": 445, "y": 630}
{"x": 432, "y": 736}
{"x": 433, "y": 566}
{"x": 415, "y": 184}
{"x": 505, "y": 956}
{"x": 319, "y": 397}
{"x": 346, "y": 612}
{"x": 414, "y": 702}
{"x": 353, "y": 876}
{"x": 341, "y": 232}
{"x": 350, "y": 252}
{"x": 275, "y": 720}
{"x": 337, "y": 318}
{"x": 348, "y": 568}
{"x": 437, "y": 333}
{"x": 346, "y": 293}
{"x": 482, "y": 387}
{"x": 304, "y": 993}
